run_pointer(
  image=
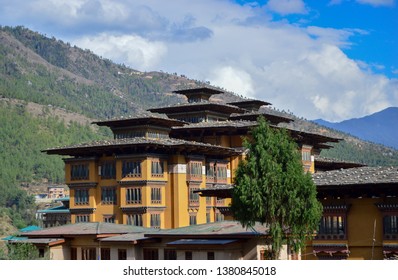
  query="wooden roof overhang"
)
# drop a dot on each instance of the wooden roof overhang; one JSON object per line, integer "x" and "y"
{"x": 272, "y": 118}
{"x": 357, "y": 182}
{"x": 219, "y": 191}
{"x": 214, "y": 128}
{"x": 358, "y": 190}
{"x": 190, "y": 108}
{"x": 325, "y": 164}
{"x": 318, "y": 141}
{"x": 250, "y": 105}
{"x": 205, "y": 92}
{"x": 140, "y": 121}
{"x": 143, "y": 145}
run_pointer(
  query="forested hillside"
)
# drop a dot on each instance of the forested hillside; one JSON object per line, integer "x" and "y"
{"x": 23, "y": 137}
{"x": 49, "y": 92}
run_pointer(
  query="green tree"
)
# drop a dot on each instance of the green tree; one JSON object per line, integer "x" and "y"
{"x": 272, "y": 188}
{"x": 20, "y": 251}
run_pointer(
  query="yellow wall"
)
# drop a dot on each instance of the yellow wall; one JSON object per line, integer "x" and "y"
{"x": 364, "y": 220}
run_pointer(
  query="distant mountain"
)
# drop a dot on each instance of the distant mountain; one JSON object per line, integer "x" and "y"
{"x": 380, "y": 127}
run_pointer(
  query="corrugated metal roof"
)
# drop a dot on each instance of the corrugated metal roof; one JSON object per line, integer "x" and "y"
{"x": 202, "y": 242}
{"x": 88, "y": 229}
{"x": 217, "y": 229}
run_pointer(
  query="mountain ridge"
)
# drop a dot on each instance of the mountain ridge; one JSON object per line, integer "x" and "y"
{"x": 380, "y": 127}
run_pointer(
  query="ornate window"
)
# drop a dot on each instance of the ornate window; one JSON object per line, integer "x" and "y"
{"x": 155, "y": 220}
{"x": 390, "y": 220}
{"x": 131, "y": 169}
{"x": 108, "y": 195}
{"x": 157, "y": 168}
{"x": 81, "y": 196}
{"x": 109, "y": 219}
{"x": 134, "y": 195}
{"x": 108, "y": 170}
{"x": 210, "y": 172}
{"x": 156, "y": 195}
{"x": 134, "y": 220}
{"x": 333, "y": 224}
{"x": 192, "y": 218}
{"x": 221, "y": 173}
{"x": 79, "y": 172}
{"x": 82, "y": 219}
{"x": 193, "y": 196}
{"x": 195, "y": 170}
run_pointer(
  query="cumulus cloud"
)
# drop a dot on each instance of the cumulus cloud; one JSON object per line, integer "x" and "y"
{"x": 242, "y": 48}
{"x": 232, "y": 79}
{"x": 133, "y": 50}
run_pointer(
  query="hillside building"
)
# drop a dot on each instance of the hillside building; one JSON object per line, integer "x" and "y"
{"x": 149, "y": 174}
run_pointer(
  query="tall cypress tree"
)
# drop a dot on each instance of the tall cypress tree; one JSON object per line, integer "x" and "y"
{"x": 271, "y": 187}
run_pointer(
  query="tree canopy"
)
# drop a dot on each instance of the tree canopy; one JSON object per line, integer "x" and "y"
{"x": 271, "y": 187}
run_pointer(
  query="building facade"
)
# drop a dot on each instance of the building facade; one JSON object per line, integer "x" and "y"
{"x": 149, "y": 175}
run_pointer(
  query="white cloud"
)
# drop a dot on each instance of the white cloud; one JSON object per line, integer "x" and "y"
{"x": 377, "y": 3}
{"x": 135, "y": 51}
{"x": 240, "y": 48}
{"x": 286, "y": 7}
{"x": 232, "y": 79}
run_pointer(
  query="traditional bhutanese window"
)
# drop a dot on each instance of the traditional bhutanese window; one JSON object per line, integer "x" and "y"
{"x": 81, "y": 196}
{"x": 155, "y": 220}
{"x": 195, "y": 170}
{"x": 89, "y": 254}
{"x": 221, "y": 173}
{"x": 105, "y": 253}
{"x": 193, "y": 196}
{"x": 109, "y": 219}
{"x": 150, "y": 254}
{"x": 131, "y": 168}
{"x": 170, "y": 254}
{"x": 333, "y": 224}
{"x": 157, "y": 135}
{"x": 219, "y": 217}
{"x": 306, "y": 155}
{"x": 108, "y": 170}
{"x": 192, "y": 119}
{"x": 208, "y": 216}
{"x": 134, "y": 195}
{"x": 210, "y": 172}
{"x": 79, "y": 171}
{"x": 390, "y": 220}
{"x": 108, "y": 195}
{"x": 134, "y": 220}
{"x": 122, "y": 254}
{"x": 156, "y": 195}
{"x": 192, "y": 219}
{"x": 82, "y": 219}
{"x": 157, "y": 168}
{"x": 390, "y": 225}
{"x": 130, "y": 134}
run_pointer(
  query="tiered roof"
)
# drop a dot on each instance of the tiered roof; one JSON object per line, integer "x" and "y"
{"x": 141, "y": 145}
{"x": 143, "y": 118}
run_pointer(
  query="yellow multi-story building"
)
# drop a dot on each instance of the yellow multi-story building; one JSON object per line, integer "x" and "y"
{"x": 150, "y": 173}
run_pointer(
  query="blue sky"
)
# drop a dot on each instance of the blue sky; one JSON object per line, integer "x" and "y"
{"x": 333, "y": 59}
